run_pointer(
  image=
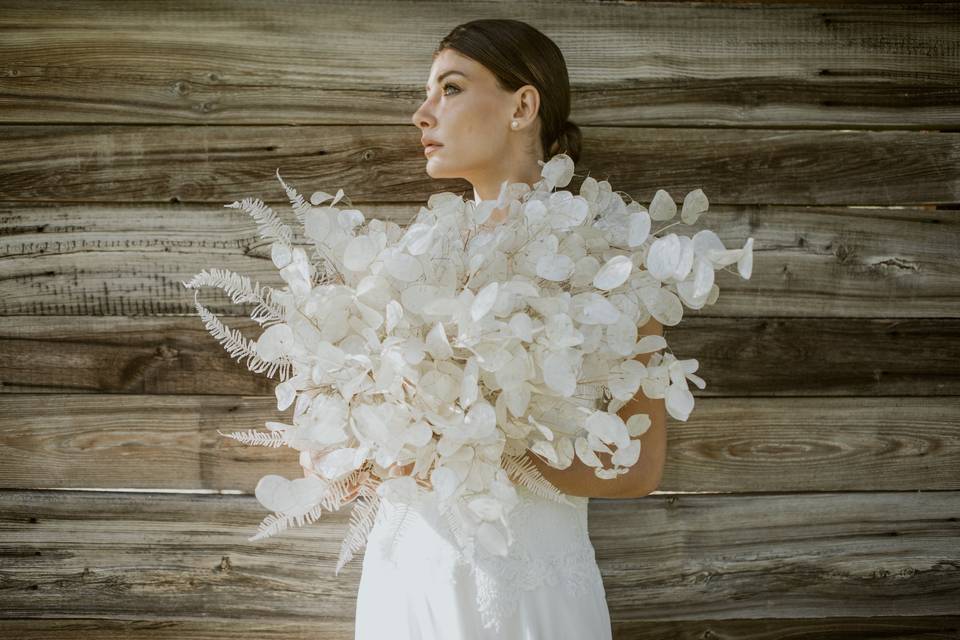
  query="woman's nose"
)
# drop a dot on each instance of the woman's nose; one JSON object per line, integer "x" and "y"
{"x": 420, "y": 117}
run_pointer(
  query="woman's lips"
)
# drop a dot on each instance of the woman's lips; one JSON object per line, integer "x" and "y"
{"x": 430, "y": 148}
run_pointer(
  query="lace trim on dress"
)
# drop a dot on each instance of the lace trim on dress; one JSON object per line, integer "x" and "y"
{"x": 566, "y": 560}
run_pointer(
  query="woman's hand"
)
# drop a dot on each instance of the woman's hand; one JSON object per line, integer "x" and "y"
{"x": 395, "y": 470}
{"x": 353, "y": 489}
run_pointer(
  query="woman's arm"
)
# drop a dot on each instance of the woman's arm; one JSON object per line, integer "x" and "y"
{"x": 644, "y": 476}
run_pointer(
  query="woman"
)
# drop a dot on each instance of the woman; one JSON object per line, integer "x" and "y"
{"x": 497, "y": 101}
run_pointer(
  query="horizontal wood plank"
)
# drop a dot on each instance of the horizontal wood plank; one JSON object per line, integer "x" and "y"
{"x": 811, "y": 64}
{"x": 109, "y": 259}
{"x": 698, "y": 557}
{"x": 213, "y": 164}
{"x": 735, "y": 445}
{"x": 156, "y": 628}
{"x": 750, "y": 357}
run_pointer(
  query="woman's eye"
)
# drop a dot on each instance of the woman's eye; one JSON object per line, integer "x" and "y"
{"x": 445, "y": 87}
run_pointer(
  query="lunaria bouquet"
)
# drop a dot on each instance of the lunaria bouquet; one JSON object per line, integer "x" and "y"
{"x": 458, "y": 346}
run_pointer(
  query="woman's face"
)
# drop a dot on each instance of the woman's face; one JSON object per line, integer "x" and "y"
{"x": 469, "y": 116}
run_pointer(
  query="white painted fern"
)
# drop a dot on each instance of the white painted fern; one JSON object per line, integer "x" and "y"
{"x": 277, "y": 522}
{"x": 332, "y": 501}
{"x": 259, "y": 438}
{"x": 240, "y": 347}
{"x": 269, "y": 224}
{"x": 300, "y": 206}
{"x": 362, "y": 518}
{"x": 241, "y": 290}
{"x": 521, "y": 470}
{"x": 399, "y": 528}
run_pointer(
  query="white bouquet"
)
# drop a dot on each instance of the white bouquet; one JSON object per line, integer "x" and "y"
{"x": 457, "y": 347}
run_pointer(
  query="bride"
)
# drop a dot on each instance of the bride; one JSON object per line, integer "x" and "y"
{"x": 497, "y": 101}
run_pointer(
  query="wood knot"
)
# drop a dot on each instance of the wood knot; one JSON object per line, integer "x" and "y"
{"x": 225, "y": 564}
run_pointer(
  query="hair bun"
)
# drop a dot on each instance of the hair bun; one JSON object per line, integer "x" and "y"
{"x": 568, "y": 141}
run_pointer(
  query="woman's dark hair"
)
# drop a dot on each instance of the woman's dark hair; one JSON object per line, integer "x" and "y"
{"x": 518, "y": 54}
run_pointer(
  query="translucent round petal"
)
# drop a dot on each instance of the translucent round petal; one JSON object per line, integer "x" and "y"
{"x": 679, "y": 402}
{"x": 484, "y": 301}
{"x": 638, "y": 229}
{"x": 556, "y": 267}
{"x": 613, "y": 273}
{"x": 662, "y": 207}
{"x": 445, "y": 481}
{"x": 662, "y": 304}
{"x": 416, "y": 296}
{"x": 545, "y": 449}
{"x": 403, "y": 266}
{"x": 637, "y": 424}
{"x": 592, "y": 308}
{"x": 695, "y": 290}
{"x": 359, "y": 253}
{"x": 608, "y": 427}
{"x": 281, "y": 254}
{"x": 273, "y": 492}
{"x": 694, "y": 203}
{"x": 437, "y": 343}
{"x": 745, "y": 263}
{"x": 587, "y": 455}
{"x": 558, "y": 375}
{"x": 274, "y": 342}
{"x": 337, "y": 463}
{"x": 628, "y": 455}
{"x": 558, "y": 171}
{"x": 419, "y": 238}
{"x": 319, "y": 197}
{"x": 419, "y": 434}
{"x": 316, "y": 224}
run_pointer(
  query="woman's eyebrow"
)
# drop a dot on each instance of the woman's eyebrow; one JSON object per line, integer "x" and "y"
{"x": 445, "y": 74}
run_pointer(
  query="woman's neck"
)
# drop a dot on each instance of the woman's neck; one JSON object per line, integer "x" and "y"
{"x": 488, "y": 188}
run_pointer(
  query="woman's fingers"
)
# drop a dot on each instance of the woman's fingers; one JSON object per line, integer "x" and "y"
{"x": 395, "y": 470}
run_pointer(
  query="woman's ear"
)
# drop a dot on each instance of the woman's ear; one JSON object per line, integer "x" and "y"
{"x": 526, "y": 104}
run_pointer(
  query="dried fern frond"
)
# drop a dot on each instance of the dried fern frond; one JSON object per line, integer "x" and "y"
{"x": 400, "y": 526}
{"x": 278, "y": 522}
{"x": 269, "y": 225}
{"x": 338, "y": 490}
{"x": 465, "y": 540}
{"x": 260, "y": 438}
{"x": 521, "y": 470}
{"x": 456, "y": 526}
{"x": 241, "y": 290}
{"x": 362, "y": 519}
{"x": 321, "y": 275}
{"x": 326, "y": 264}
{"x": 238, "y": 346}
{"x": 299, "y": 205}
{"x": 332, "y": 500}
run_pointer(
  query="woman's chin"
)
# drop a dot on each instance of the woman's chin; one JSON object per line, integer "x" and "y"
{"x": 436, "y": 170}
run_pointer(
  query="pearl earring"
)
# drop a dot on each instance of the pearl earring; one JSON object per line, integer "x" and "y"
{"x": 514, "y": 124}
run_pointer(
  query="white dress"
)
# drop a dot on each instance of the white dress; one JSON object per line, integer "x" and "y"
{"x": 416, "y": 585}
{"x": 548, "y": 587}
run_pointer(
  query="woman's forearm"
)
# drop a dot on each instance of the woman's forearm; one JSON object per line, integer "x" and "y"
{"x": 578, "y": 479}
{"x": 643, "y": 477}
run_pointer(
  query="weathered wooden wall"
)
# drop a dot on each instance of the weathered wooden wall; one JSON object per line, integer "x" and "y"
{"x": 826, "y": 443}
